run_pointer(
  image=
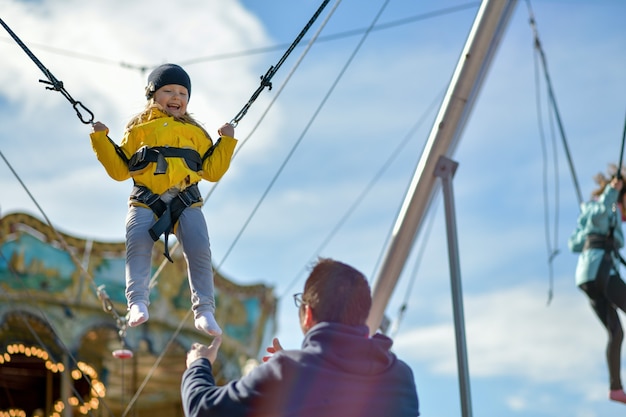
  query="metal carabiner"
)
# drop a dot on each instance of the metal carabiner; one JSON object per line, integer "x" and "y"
{"x": 80, "y": 115}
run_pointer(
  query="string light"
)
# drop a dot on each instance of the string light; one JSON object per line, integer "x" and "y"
{"x": 13, "y": 412}
{"x": 82, "y": 370}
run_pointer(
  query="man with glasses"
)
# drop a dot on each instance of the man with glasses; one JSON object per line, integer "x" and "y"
{"x": 340, "y": 370}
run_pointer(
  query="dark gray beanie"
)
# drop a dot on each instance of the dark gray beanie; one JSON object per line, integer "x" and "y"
{"x": 167, "y": 74}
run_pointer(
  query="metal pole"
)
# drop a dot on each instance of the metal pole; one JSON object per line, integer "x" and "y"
{"x": 445, "y": 169}
{"x": 479, "y": 50}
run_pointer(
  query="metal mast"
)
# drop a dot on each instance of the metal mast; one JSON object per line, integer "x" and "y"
{"x": 480, "y": 48}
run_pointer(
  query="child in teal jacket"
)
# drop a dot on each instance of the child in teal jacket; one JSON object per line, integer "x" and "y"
{"x": 598, "y": 238}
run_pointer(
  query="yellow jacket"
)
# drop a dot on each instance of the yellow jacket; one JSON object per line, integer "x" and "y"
{"x": 163, "y": 130}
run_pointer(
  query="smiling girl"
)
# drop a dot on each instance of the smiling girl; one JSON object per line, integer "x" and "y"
{"x": 166, "y": 153}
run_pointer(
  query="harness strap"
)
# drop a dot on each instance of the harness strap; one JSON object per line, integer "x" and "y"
{"x": 157, "y": 154}
{"x": 597, "y": 241}
{"x": 119, "y": 151}
{"x": 210, "y": 151}
{"x": 167, "y": 213}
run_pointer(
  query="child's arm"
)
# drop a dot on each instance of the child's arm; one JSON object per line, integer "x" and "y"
{"x": 111, "y": 156}
{"x": 217, "y": 160}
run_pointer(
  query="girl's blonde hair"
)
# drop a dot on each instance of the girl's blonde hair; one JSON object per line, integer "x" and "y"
{"x": 602, "y": 181}
{"x": 144, "y": 116}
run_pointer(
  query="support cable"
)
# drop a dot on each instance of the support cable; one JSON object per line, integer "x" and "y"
{"x": 143, "y": 68}
{"x": 387, "y": 164}
{"x": 155, "y": 365}
{"x": 107, "y": 304}
{"x": 413, "y": 277}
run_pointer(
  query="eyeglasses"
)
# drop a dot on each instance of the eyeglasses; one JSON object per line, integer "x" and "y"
{"x": 297, "y": 299}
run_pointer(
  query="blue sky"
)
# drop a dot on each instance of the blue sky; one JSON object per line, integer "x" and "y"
{"x": 526, "y": 357}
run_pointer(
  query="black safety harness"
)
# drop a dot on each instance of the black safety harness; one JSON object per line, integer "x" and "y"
{"x": 598, "y": 241}
{"x": 608, "y": 244}
{"x": 157, "y": 154}
{"x": 167, "y": 213}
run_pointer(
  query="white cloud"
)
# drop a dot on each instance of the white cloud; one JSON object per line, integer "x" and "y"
{"x": 512, "y": 333}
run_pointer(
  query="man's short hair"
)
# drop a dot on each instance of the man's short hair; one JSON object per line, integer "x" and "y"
{"x": 337, "y": 293}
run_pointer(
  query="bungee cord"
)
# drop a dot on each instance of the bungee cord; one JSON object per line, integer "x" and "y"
{"x": 621, "y": 152}
{"x": 53, "y": 82}
{"x": 550, "y": 243}
{"x": 553, "y": 111}
{"x": 553, "y": 250}
{"x": 266, "y": 80}
{"x": 552, "y": 100}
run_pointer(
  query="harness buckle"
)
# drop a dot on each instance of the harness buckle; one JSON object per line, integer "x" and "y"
{"x": 139, "y": 156}
{"x": 185, "y": 198}
{"x": 161, "y": 164}
{"x": 153, "y": 198}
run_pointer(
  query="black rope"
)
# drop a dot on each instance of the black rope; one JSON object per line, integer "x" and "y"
{"x": 54, "y": 84}
{"x": 621, "y": 153}
{"x": 553, "y": 250}
{"x": 267, "y": 78}
{"x": 554, "y": 105}
{"x": 551, "y": 245}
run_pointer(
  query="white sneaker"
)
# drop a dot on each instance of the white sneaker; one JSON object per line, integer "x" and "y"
{"x": 138, "y": 313}
{"x": 205, "y": 322}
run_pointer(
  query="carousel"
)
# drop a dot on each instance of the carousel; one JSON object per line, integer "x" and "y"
{"x": 65, "y": 349}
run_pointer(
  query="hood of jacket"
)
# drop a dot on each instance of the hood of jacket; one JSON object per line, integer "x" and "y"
{"x": 349, "y": 348}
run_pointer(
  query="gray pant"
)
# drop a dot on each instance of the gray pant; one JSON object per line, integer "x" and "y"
{"x": 192, "y": 234}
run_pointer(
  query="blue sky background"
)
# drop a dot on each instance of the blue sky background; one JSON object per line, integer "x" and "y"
{"x": 526, "y": 357}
